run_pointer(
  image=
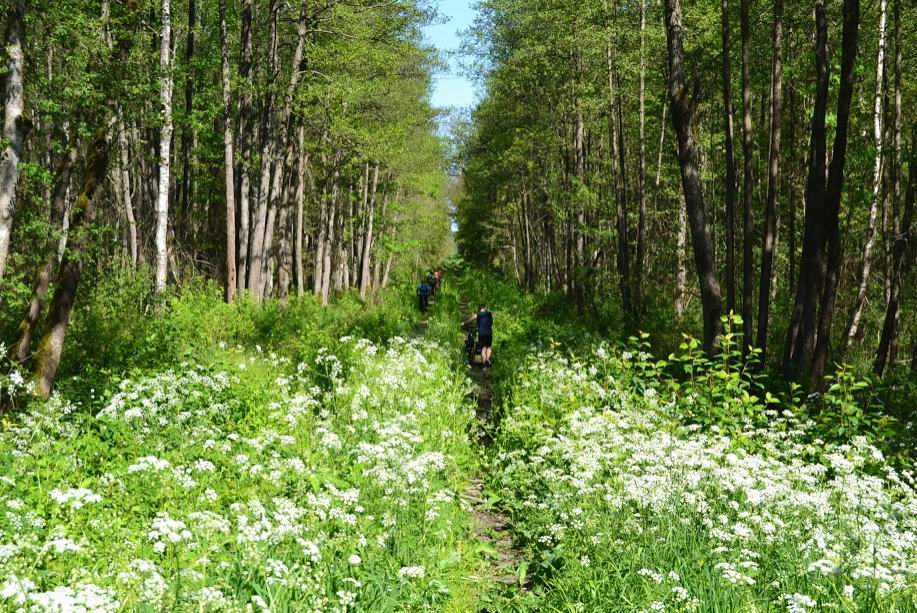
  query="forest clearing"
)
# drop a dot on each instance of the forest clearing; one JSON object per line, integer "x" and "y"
{"x": 282, "y": 330}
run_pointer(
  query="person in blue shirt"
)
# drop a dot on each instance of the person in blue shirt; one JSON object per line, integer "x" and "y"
{"x": 423, "y": 295}
{"x": 484, "y": 320}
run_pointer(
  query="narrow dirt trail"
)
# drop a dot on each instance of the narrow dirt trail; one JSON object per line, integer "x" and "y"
{"x": 490, "y": 526}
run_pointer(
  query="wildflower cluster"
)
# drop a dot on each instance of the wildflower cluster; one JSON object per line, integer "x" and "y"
{"x": 266, "y": 485}
{"x": 604, "y": 480}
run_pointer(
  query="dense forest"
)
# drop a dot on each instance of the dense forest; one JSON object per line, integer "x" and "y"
{"x": 272, "y": 147}
{"x": 636, "y": 333}
{"x": 761, "y": 148}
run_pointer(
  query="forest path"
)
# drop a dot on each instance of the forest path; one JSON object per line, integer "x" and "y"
{"x": 490, "y": 526}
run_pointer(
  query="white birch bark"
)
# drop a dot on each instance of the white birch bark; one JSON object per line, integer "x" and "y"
{"x": 14, "y": 124}
{"x": 165, "y": 146}
{"x": 853, "y": 327}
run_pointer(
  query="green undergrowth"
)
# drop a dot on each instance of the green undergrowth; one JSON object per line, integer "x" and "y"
{"x": 205, "y": 457}
{"x": 638, "y": 482}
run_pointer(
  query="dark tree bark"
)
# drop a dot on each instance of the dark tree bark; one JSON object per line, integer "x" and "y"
{"x": 246, "y": 128}
{"x": 773, "y": 181}
{"x": 579, "y": 260}
{"x": 899, "y": 264}
{"x": 187, "y": 130}
{"x": 832, "y": 205}
{"x": 730, "y": 187}
{"x": 22, "y": 349}
{"x": 689, "y": 160}
{"x": 641, "y": 170}
{"x": 748, "y": 185}
{"x": 801, "y": 332}
{"x": 51, "y": 346}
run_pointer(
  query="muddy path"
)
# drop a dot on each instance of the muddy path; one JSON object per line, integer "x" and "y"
{"x": 491, "y": 527}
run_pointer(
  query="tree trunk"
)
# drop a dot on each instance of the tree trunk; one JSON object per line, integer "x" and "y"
{"x": 21, "y": 351}
{"x": 853, "y": 325}
{"x": 681, "y": 275}
{"x": 52, "y": 343}
{"x": 321, "y": 239}
{"x": 833, "y": 191}
{"x": 15, "y": 125}
{"x": 896, "y": 167}
{"x": 245, "y": 139}
{"x": 228, "y": 161}
{"x": 187, "y": 133}
{"x": 615, "y": 143}
{"x": 884, "y": 355}
{"x": 257, "y": 246}
{"x": 165, "y": 146}
{"x": 331, "y": 237}
{"x": 641, "y": 171}
{"x": 689, "y": 160}
{"x": 801, "y": 332}
{"x": 368, "y": 237}
{"x": 730, "y": 162}
{"x": 302, "y": 165}
{"x": 768, "y": 244}
{"x": 748, "y": 186}
{"x": 123, "y": 168}
{"x": 579, "y": 152}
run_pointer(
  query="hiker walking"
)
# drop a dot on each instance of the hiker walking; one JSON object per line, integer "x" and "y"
{"x": 484, "y": 321}
{"x": 423, "y": 296}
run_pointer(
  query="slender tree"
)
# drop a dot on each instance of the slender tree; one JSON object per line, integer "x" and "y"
{"x": 748, "y": 184}
{"x": 689, "y": 160}
{"x": 773, "y": 181}
{"x": 15, "y": 124}
{"x": 165, "y": 145}
{"x": 730, "y": 187}
{"x": 903, "y": 238}
{"x": 853, "y": 325}
{"x": 835, "y": 183}
{"x": 228, "y": 160}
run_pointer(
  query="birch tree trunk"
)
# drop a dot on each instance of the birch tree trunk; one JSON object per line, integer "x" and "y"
{"x": 15, "y": 125}
{"x": 165, "y": 145}
{"x": 853, "y": 325}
